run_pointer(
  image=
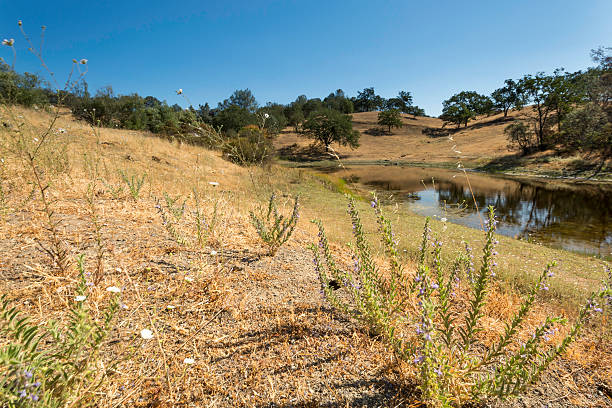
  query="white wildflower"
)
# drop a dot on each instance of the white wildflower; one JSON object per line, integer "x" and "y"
{"x": 213, "y": 252}
{"x": 213, "y": 183}
{"x": 189, "y": 279}
{"x": 443, "y": 219}
{"x": 146, "y": 334}
{"x": 170, "y": 307}
{"x": 80, "y": 298}
{"x": 113, "y": 289}
{"x": 8, "y": 43}
{"x": 189, "y": 361}
{"x": 266, "y": 116}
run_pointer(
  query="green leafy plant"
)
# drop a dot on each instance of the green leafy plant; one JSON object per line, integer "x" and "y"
{"x": 134, "y": 183}
{"x": 273, "y": 228}
{"x": 53, "y": 365}
{"x": 425, "y": 320}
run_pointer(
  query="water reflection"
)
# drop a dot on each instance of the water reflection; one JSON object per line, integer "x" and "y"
{"x": 570, "y": 216}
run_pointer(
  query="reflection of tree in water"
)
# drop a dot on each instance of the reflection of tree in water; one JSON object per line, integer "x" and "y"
{"x": 578, "y": 213}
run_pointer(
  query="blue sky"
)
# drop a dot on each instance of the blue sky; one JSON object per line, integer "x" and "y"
{"x": 281, "y": 49}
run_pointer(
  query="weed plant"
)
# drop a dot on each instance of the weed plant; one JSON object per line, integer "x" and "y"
{"x": 273, "y": 228}
{"x": 134, "y": 183}
{"x": 432, "y": 317}
{"x": 55, "y": 365}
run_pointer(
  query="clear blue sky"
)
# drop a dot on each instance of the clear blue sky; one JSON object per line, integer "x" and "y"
{"x": 281, "y": 49}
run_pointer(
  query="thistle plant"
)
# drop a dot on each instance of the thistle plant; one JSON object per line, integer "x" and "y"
{"x": 431, "y": 317}
{"x": 53, "y": 365}
{"x": 273, "y": 228}
{"x": 134, "y": 183}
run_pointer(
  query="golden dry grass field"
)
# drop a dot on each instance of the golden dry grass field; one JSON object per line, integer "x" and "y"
{"x": 426, "y": 141}
{"x": 231, "y": 326}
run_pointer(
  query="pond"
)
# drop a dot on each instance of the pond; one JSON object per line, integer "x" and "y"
{"x": 572, "y": 216}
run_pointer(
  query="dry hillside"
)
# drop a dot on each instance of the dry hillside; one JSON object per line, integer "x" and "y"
{"x": 424, "y": 140}
{"x": 230, "y": 325}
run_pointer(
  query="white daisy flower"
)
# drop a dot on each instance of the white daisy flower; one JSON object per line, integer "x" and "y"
{"x": 80, "y": 298}
{"x": 189, "y": 361}
{"x": 113, "y": 289}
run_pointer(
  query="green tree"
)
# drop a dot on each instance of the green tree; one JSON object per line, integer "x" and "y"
{"x": 234, "y": 118}
{"x": 368, "y": 101}
{"x": 338, "y": 101}
{"x": 415, "y": 111}
{"x": 390, "y": 118}
{"x": 588, "y": 128}
{"x": 538, "y": 91}
{"x": 465, "y": 106}
{"x": 242, "y": 98}
{"x": 328, "y": 126}
{"x": 520, "y": 137}
{"x": 510, "y": 96}
{"x": 402, "y": 102}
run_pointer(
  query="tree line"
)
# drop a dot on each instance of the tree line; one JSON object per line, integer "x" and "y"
{"x": 566, "y": 109}
{"x": 571, "y": 109}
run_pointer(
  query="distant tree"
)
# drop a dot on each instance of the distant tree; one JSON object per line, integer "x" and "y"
{"x": 338, "y": 101}
{"x": 390, "y": 118}
{"x": 402, "y": 102}
{"x": 415, "y": 111}
{"x": 242, "y": 98}
{"x": 588, "y": 128}
{"x": 520, "y": 137}
{"x": 328, "y": 126}
{"x": 276, "y": 120}
{"x": 152, "y": 102}
{"x": 566, "y": 91}
{"x": 538, "y": 90}
{"x": 234, "y": 118}
{"x": 368, "y": 101}
{"x": 312, "y": 105}
{"x": 464, "y": 106}
{"x": 294, "y": 115}
{"x": 204, "y": 113}
{"x": 510, "y": 96}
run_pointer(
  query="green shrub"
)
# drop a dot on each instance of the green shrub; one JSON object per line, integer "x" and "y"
{"x": 251, "y": 146}
{"x": 425, "y": 323}
{"x": 53, "y": 366}
{"x": 273, "y": 228}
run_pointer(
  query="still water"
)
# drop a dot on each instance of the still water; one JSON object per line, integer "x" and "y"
{"x": 573, "y": 216}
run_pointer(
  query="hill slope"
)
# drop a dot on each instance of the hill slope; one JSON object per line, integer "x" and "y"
{"x": 482, "y": 144}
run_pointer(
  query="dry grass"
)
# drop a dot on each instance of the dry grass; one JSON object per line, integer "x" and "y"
{"x": 423, "y": 140}
{"x": 258, "y": 329}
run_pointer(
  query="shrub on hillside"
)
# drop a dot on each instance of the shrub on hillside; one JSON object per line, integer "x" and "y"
{"x": 251, "y": 146}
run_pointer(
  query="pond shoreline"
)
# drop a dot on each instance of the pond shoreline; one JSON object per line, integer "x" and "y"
{"x": 525, "y": 174}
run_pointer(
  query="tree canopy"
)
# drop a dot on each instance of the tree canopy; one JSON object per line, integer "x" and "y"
{"x": 329, "y": 126}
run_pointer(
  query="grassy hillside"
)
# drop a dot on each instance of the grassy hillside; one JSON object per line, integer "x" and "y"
{"x": 256, "y": 327}
{"x": 424, "y": 140}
